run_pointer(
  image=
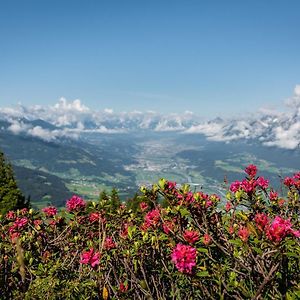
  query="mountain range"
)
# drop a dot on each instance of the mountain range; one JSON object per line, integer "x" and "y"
{"x": 73, "y": 119}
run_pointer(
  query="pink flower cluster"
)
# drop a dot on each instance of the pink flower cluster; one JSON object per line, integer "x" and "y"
{"x": 295, "y": 180}
{"x": 75, "y": 204}
{"x": 50, "y": 211}
{"x": 191, "y": 236}
{"x": 18, "y": 224}
{"x": 90, "y": 258}
{"x": 251, "y": 170}
{"x": 123, "y": 287}
{"x": 11, "y": 215}
{"x": 261, "y": 220}
{"x": 96, "y": 217}
{"x": 249, "y": 185}
{"x": 206, "y": 239}
{"x": 124, "y": 231}
{"x": 244, "y": 233}
{"x": 279, "y": 229}
{"x": 143, "y": 206}
{"x": 273, "y": 196}
{"x": 228, "y": 206}
{"x": 168, "y": 226}
{"x": 171, "y": 185}
{"x": 151, "y": 218}
{"x": 109, "y": 243}
{"x": 184, "y": 257}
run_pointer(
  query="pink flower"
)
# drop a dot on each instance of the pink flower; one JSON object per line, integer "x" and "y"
{"x": 96, "y": 217}
{"x": 297, "y": 175}
{"x": 262, "y": 182}
{"x": 296, "y": 233}
{"x": 124, "y": 231}
{"x": 261, "y": 220}
{"x": 202, "y": 196}
{"x": 228, "y": 206}
{"x": 152, "y": 217}
{"x": 90, "y": 257}
{"x": 52, "y": 223}
{"x": 191, "y": 236}
{"x": 143, "y": 206}
{"x": 235, "y": 186}
{"x": 123, "y": 287}
{"x": 168, "y": 226}
{"x": 24, "y": 211}
{"x": 297, "y": 183}
{"x": 288, "y": 181}
{"x": 179, "y": 196}
{"x": 231, "y": 230}
{"x": 109, "y": 243}
{"x": 248, "y": 185}
{"x": 171, "y": 185}
{"x": 11, "y": 215}
{"x": 184, "y": 258}
{"x": 273, "y": 196}
{"x": 50, "y": 211}
{"x": 208, "y": 203}
{"x": 206, "y": 239}
{"x": 243, "y": 233}
{"x": 279, "y": 229}
{"x": 75, "y": 203}
{"x": 19, "y": 223}
{"x": 189, "y": 197}
{"x": 37, "y": 223}
{"x": 251, "y": 170}
{"x": 14, "y": 236}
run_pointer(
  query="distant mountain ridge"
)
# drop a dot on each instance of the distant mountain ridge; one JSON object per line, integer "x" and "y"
{"x": 72, "y": 119}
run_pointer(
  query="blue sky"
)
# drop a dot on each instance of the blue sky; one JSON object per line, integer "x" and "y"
{"x": 209, "y": 57}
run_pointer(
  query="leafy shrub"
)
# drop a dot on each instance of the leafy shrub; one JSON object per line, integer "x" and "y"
{"x": 176, "y": 245}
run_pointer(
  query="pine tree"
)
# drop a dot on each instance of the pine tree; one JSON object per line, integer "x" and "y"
{"x": 10, "y": 195}
{"x": 103, "y": 196}
{"x": 115, "y": 201}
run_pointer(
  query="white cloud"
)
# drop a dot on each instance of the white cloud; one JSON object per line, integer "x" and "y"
{"x": 164, "y": 126}
{"x": 269, "y": 126}
{"x": 288, "y": 138}
{"x": 17, "y": 127}
{"x": 297, "y": 90}
{"x": 294, "y": 101}
{"x": 108, "y": 110}
{"x": 64, "y": 105}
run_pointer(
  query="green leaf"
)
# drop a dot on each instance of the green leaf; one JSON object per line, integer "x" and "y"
{"x": 162, "y": 183}
{"x": 184, "y": 212}
{"x": 202, "y": 274}
{"x": 131, "y": 230}
{"x": 185, "y": 188}
{"x": 236, "y": 242}
{"x": 292, "y": 254}
{"x": 258, "y": 250}
{"x": 203, "y": 250}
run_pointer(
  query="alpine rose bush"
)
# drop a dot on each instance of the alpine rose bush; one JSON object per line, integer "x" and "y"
{"x": 171, "y": 244}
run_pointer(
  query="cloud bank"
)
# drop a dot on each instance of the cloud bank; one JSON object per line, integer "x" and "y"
{"x": 70, "y": 119}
